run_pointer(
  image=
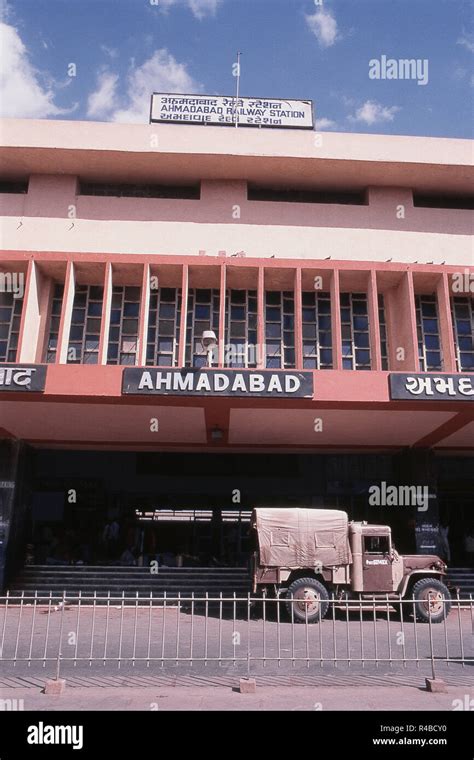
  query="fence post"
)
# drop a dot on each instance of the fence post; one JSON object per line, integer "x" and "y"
{"x": 57, "y": 685}
{"x": 433, "y": 684}
{"x": 248, "y": 685}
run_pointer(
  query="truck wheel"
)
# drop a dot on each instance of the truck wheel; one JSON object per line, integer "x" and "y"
{"x": 432, "y": 600}
{"x": 308, "y": 599}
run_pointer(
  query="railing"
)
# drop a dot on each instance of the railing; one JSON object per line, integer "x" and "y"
{"x": 170, "y": 631}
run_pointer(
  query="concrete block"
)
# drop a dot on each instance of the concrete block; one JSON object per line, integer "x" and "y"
{"x": 247, "y": 686}
{"x": 55, "y": 686}
{"x": 436, "y": 686}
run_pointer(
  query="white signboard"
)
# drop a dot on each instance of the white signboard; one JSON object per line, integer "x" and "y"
{"x": 225, "y": 111}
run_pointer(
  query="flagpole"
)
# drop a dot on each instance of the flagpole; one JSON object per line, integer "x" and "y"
{"x": 237, "y": 90}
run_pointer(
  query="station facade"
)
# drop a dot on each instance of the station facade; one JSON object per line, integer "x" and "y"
{"x": 195, "y": 321}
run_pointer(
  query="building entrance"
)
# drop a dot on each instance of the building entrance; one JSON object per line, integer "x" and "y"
{"x": 193, "y": 509}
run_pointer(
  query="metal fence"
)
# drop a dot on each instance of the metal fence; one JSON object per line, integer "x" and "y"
{"x": 222, "y": 631}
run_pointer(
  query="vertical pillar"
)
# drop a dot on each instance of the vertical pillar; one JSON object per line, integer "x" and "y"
{"x": 66, "y": 313}
{"x": 298, "y": 320}
{"x": 374, "y": 324}
{"x": 445, "y": 325}
{"x": 222, "y": 305}
{"x": 336, "y": 321}
{"x": 184, "y": 316}
{"x": 46, "y": 292}
{"x": 401, "y": 326}
{"x": 143, "y": 319}
{"x": 261, "y": 318}
{"x": 30, "y": 316}
{"x": 105, "y": 322}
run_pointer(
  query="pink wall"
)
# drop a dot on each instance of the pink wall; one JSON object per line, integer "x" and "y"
{"x": 53, "y": 196}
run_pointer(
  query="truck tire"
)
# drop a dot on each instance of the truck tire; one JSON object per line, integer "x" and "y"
{"x": 432, "y": 600}
{"x": 307, "y": 601}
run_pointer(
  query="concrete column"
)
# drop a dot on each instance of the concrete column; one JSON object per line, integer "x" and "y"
{"x": 105, "y": 321}
{"x": 184, "y": 316}
{"x": 298, "y": 321}
{"x": 374, "y": 325}
{"x": 445, "y": 325}
{"x": 261, "y": 318}
{"x": 401, "y": 326}
{"x": 66, "y": 314}
{"x": 222, "y": 302}
{"x": 336, "y": 321}
{"x": 30, "y": 316}
{"x": 143, "y": 323}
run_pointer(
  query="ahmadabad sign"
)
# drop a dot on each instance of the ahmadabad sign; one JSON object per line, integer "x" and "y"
{"x": 195, "y": 382}
{"x": 226, "y": 111}
{"x": 431, "y": 387}
{"x": 24, "y": 377}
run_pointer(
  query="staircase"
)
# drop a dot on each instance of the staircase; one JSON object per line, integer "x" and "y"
{"x": 463, "y": 578}
{"x": 46, "y": 580}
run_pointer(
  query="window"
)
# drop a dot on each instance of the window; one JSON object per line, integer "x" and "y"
{"x": 241, "y": 329}
{"x": 279, "y": 329}
{"x": 317, "y": 332}
{"x": 443, "y": 201}
{"x": 53, "y": 335}
{"x": 124, "y": 320}
{"x": 355, "y": 331}
{"x": 10, "y": 316}
{"x": 140, "y": 191}
{"x": 294, "y": 195}
{"x": 429, "y": 347}
{"x": 383, "y": 332}
{"x": 203, "y": 314}
{"x": 86, "y": 320}
{"x": 376, "y": 544}
{"x": 163, "y": 327}
{"x": 16, "y": 188}
{"x": 462, "y": 310}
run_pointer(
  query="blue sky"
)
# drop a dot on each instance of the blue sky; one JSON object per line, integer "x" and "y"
{"x": 122, "y": 50}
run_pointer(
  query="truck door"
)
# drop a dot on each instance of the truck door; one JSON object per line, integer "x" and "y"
{"x": 377, "y": 567}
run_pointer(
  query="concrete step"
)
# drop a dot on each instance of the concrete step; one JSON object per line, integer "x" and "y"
{"x": 47, "y": 581}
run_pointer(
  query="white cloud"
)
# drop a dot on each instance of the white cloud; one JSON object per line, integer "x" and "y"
{"x": 110, "y": 52}
{"x": 467, "y": 41}
{"x": 371, "y": 113}
{"x": 160, "y": 73}
{"x": 104, "y": 99}
{"x": 22, "y": 94}
{"x": 200, "y": 8}
{"x": 324, "y": 123}
{"x": 324, "y": 27}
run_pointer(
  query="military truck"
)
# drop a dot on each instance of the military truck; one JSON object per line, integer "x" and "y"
{"x": 308, "y": 555}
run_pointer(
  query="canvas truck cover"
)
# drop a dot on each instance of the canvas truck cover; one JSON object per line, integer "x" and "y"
{"x": 302, "y": 537}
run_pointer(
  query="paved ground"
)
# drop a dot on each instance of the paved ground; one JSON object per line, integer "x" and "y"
{"x": 310, "y": 698}
{"x": 155, "y": 660}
